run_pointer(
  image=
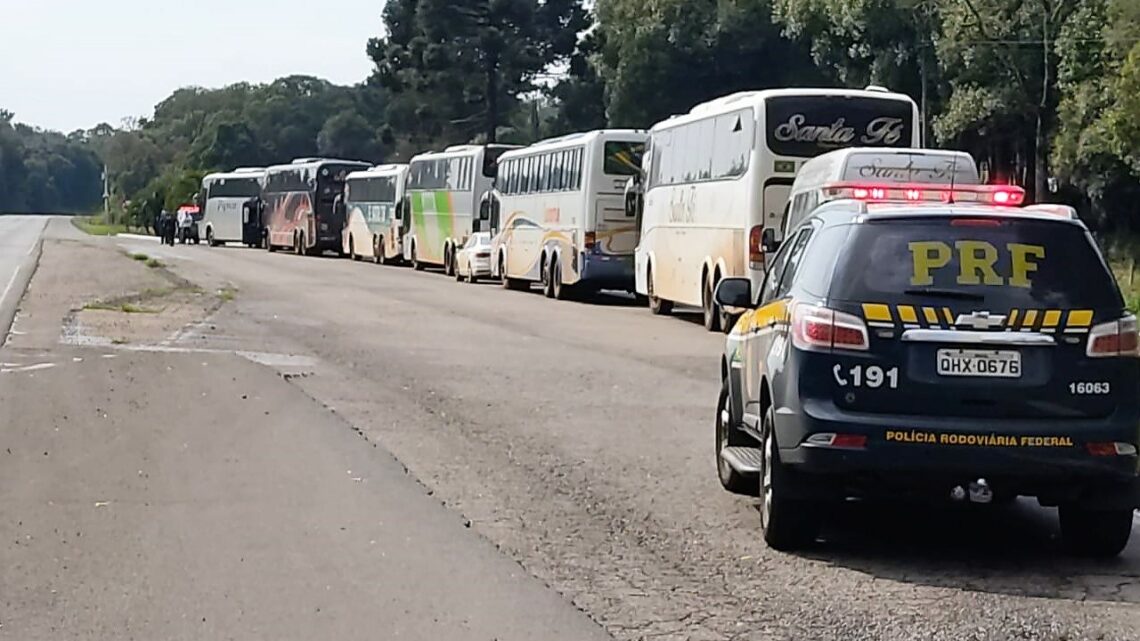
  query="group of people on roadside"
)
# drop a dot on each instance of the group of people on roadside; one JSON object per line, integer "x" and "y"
{"x": 170, "y": 226}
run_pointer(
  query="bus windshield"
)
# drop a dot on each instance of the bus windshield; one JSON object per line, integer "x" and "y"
{"x": 234, "y": 188}
{"x": 622, "y": 158}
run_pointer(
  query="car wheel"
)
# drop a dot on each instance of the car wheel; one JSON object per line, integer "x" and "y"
{"x": 458, "y": 274}
{"x": 711, "y": 309}
{"x": 657, "y": 306}
{"x": 787, "y": 524}
{"x": 1101, "y": 534}
{"x": 727, "y": 436}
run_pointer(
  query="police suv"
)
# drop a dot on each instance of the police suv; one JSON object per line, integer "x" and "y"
{"x": 931, "y": 340}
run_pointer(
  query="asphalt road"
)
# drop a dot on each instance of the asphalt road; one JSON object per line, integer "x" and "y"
{"x": 19, "y": 240}
{"x": 197, "y": 495}
{"x": 577, "y": 439}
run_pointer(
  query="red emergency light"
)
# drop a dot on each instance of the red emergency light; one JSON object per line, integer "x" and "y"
{"x": 1000, "y": 195}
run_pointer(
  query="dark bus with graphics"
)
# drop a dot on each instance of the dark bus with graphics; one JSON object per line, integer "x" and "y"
{"x": 300, "y": 205}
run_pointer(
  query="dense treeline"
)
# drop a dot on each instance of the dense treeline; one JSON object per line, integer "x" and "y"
{"x": 43, "y": 171}
{"x": 1045, "y": 93}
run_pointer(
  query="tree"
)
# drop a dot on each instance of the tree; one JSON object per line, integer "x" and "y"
{"x": 662, "y": 58}
{"x": 348, "y": 135}
{"x": 453, "y": 68}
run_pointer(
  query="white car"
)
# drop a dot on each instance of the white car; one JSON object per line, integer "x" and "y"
{"x": 474, "y": 260}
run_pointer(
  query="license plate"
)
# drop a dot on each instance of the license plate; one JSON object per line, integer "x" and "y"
{"x": 979, "y": 362}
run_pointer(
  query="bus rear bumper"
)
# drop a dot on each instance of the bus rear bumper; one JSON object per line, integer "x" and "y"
{"x": 606, "y": 271}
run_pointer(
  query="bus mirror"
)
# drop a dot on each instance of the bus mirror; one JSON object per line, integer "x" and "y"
{"x": 485, "y": 208}
{"x": 476, "y": 226}
{"x": 768, "y": 241}
{"x": 399, "y": 211}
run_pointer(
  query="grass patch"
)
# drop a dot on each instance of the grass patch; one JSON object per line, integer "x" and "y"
{"x": 126, "y": 308}
{"x": 227, "y": 293}
{"x": 139, "y": 256}
{"x": 95, "y": 226}
{"x": 154, "y": 263}
{"x": 1128, "y": 278}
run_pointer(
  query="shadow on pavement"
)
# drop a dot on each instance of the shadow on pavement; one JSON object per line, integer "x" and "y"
{"x": 1012, "y": 549}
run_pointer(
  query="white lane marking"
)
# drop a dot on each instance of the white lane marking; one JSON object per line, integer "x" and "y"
{"x": 29, "y": 368}
{"x": 8, "y": 288}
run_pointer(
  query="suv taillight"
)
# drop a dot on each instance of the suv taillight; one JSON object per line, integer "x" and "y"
{"x": 755, "y": 247}
{"x": 1114, "y": 338}
{"x": 822, "y": 329}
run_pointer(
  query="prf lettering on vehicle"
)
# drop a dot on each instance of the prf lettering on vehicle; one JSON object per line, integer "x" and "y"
{"x": 977, "y": 260}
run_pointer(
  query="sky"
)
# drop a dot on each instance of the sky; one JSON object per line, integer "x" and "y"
{"x": 72, "y": 64}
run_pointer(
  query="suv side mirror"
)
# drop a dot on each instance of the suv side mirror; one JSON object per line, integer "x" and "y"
{"x": 768, "y": 241}
{"x": 734, "y": 292}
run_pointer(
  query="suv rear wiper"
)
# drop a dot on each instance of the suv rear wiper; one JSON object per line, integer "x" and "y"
{"x": 944, "y": 293}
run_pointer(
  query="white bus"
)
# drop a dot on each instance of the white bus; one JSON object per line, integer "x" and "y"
{"x": 444, "y": 189}
{"x": 225, "y": 199}
{"x": 559, "y": 214}
{"x": 718, "y": 179}
{"x": 374, "y": 205}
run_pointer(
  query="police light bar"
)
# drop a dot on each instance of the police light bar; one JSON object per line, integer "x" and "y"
{"x": 1061, "y": 211}
{"x": 1000, "y": 195}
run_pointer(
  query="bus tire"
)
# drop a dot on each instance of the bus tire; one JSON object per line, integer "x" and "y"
{"x": 448, "y": 266}
{"x": 416, "y": 264}
{"x": 210, "y": 237}
{"x": 352, "y": 249}
{"x": 378, "y": 256}
{"x": 559, "y": 290}
{"x": 712, "y": 316}
{"x": 265, "y": 242}
{"x": 657, "y": 306}
{"x": 548, "y": 276}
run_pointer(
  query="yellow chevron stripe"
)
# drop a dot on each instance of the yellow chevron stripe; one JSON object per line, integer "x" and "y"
{"x": 1011, "y": 322}
{"x": 1052, "y": 318}
{"x": 1080, "y": 318}
{"x": 907, "y": 314}
{"x": 931, "y": 315}
{"x": 949, "y": 316}
{"x": 1030, "y": 319}
{"x": 877, "y": 312}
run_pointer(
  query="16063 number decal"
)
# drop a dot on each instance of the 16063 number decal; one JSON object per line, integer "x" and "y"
{"x": 871, "y": 376}
{"x": 1090, "y": 389}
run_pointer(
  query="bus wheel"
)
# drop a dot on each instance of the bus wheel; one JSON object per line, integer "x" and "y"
{"x": 558, "y": 290}
{"x": 503, "y": 280}
{"x": 657, "y": 306}
{"x": 210, "y": 237}
{"x": 378, "y": 256}
{"x": 416, "y": 264}
{"x": 352, "y": 248}
{"x": 548, "y": 277}
{"x": 713, "y": 318}
{"x": 265, "y": 242}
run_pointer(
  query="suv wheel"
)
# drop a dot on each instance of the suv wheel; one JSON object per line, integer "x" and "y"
{"x": 787, "y": 524}
{"x": 726, "y": 436}
{"x": 1095, "y": 533}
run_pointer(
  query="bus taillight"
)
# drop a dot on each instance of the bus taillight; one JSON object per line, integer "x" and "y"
{"x": 591, "y": 239}
{"x": 755, "y": 247}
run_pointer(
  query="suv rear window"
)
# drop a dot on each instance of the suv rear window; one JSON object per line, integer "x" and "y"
{"x": 1004, "y": 262}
